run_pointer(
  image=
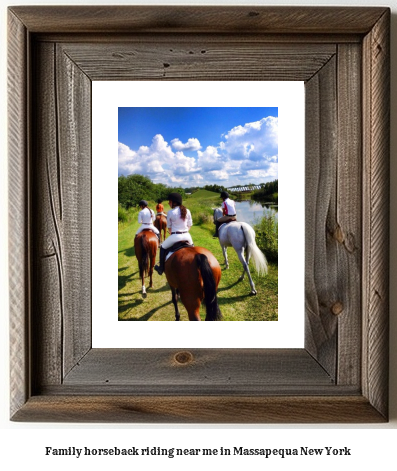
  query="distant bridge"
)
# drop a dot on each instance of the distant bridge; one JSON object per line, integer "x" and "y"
{"x": 244, "y": 189}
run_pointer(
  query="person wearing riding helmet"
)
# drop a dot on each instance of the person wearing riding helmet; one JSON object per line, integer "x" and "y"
{"x": 229, "y": 212}
{"x": 160, "y": 208}
{"x": 146, "y": 218}
{"x": 179, "y": 222}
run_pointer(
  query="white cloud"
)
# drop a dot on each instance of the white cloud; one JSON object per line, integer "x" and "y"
{"x": 192, "y": 144}
{"x": 210, "y": 159}
{"x": 253, "y": 141}
{"x": 246, "y": 153}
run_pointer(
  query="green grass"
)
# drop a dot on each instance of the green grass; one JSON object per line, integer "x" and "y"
{"x": 235, "y": 302}
{"x": 203, "y": 194}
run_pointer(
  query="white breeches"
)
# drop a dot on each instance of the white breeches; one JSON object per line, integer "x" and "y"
{"x": 174, "y": 238}
{"x": 147, "y": 226}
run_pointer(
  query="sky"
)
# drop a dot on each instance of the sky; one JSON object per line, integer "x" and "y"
{"x": 199, "y": 146}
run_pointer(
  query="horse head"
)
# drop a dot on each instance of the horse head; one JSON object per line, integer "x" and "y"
{"x": 217, "y": 214}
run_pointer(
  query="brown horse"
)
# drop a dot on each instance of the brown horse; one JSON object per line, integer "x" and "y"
{"x": 145, "y": 245}
{"x": 193, "y": 274}
{"x": 161, "y": 224}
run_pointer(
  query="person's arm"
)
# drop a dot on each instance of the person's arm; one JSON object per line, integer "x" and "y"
{"x": 169, "y": 223}
{"x": 189, "y": 221}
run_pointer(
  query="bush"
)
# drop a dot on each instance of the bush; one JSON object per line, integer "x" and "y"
{"x": 126, "y": 215}
{"x": 268, "y": 192}
{"x": 122, "y": 214}
{"x": 135, "y": 187}
{"x": 267, "y": 237}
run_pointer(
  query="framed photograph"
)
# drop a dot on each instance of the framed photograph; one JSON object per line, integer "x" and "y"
{"x": 225, "y": 118}
{"x": 340, "y": 374}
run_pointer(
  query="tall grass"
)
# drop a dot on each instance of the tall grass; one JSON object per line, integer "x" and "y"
{"x": 267, "y": 237}
{"x": 126, "y": 216}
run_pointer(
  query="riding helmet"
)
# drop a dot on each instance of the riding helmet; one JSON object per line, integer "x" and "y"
{"x": 224, "y": 194}
{"x": 175, "y": 198}
{"x": 143, "y": 203}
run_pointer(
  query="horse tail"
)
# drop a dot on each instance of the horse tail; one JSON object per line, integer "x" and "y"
{"x": 144, "y": 266}
{"x": 210, "y": 298}
{"x": 257, "y": 255}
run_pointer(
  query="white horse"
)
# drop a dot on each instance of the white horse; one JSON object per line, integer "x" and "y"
{"x": 241, "y": 236}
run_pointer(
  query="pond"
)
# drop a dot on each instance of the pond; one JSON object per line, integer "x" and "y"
{"x": 251, "y": 211}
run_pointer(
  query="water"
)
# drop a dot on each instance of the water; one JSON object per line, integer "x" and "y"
{"x": 251, "y": 212}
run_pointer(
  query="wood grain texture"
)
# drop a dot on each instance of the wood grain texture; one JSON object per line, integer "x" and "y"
{"x": 209, "y": 59}
{"x": 341, "y": 376}
{"x": 346, "y": 227}
{"x": 198, "y": 19}
{"x": 249, "y": 370}
{"x": 321, "y": 279}
{"x": 74, "y": 134}
{"x": 333, "y": 215}
{"x": 199, "y": 409}
{"x": 18, "y": 213}
{"x": 47, "y": 290}
{"x": 62, "y": 202}
{"x": 376, "y": 91}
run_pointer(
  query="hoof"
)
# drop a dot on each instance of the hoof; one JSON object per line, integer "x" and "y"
{"x": 241, "y": 279}
{"x": 253, "y": 293}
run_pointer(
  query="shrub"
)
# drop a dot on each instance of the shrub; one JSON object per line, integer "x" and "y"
{"x": 122, "y": 214}
{"x": 267, "y": 237}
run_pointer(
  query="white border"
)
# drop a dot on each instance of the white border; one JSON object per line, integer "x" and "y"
{"x": 288, "y": 331}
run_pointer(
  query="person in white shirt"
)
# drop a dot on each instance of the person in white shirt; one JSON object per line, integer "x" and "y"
{"x": 229, "y": 212}
{"x": 179, "y": 222}
{"x": 145, "y": 218}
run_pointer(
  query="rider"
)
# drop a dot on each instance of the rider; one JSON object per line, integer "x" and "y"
{"x": 160, "y": 208}
{"x": 179, "y": 222}
{"x": 146, "y": 218}
{"x": 229, "y": 212}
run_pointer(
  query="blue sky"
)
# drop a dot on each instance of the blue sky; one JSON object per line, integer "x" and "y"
{"x": 199, "y": 146}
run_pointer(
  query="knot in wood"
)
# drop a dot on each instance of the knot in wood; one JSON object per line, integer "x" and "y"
{"x": 337, "y": 308}
{"x": 183, "y": 358}
{"x": 338, "y": 235}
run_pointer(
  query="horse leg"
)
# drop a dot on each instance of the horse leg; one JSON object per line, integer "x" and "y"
{"x": 143, "y": 286}
{"x": 246, "y": 270}
{"x": 192, "y": 304}
{"x": 152, "y": 262}
{"x": 175, "y": 303}
{"x": 224, "y": 250}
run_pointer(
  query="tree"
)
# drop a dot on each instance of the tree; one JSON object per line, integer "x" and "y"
{"x": 137, "y": 187}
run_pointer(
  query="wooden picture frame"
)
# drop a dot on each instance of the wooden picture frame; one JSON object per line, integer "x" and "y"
{"x": 342, "y": 54}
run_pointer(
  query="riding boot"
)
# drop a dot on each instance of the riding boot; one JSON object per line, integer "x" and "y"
{"x": 216, "y": 229}
{"x": 160, "y": 269}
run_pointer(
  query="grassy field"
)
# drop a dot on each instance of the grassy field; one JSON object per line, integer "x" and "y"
{"x": 235, "y": 302}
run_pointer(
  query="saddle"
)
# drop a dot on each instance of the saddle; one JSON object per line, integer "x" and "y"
{"x": 233, "y": 219}
{"x": 183, "y": 244}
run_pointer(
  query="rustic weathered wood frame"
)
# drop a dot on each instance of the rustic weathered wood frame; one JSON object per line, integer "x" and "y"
{"x": 342, "y": 54}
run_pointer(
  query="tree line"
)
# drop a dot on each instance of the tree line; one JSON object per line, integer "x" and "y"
{"x": 269, "y": 191}
{"x": 134, "y": 188}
